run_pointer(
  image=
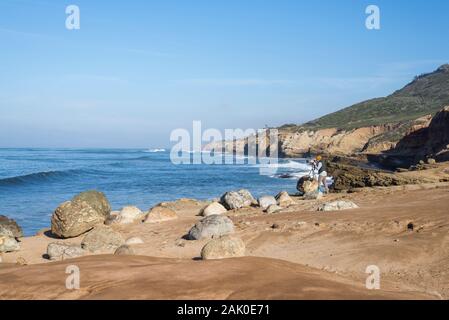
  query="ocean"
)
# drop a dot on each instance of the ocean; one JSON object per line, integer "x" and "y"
{"x": 33, "y": 182}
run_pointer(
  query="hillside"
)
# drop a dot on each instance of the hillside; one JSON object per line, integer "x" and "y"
{"x": 426, "y": 94}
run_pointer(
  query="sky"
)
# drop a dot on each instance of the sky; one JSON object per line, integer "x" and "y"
{"x": 136, "y": 70}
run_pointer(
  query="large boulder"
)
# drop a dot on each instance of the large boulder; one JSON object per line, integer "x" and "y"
{"x": 338, "y": 205}
{"x": 11, "y": 225}
{"x": 96, "y": 199}
{"x": 102, "y": 238}
{"x": 306, "y": 184}
{"x": 62, "y": 251}
{"x": 8, "y": 243}
{"x": 237, "y": 199}
{"x": 284, "y": 199}
{"x": 266, "y": 201}
{"x": 223, "y": 247}
{"x": 213, "y": 208}
{"x": 73, "y": 218}
{"x": 160, "y": 214}
{"x": 211, "y": 226}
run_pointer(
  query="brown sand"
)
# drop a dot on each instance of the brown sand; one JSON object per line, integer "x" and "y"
{"x": 402, "y": 230}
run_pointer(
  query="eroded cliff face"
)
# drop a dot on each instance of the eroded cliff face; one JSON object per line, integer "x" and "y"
{"x": 422, "y": 138}
{"x": 428, "y": 141}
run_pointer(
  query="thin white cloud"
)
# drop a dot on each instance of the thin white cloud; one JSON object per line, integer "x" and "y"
{"x": 236, "y": 81}
{"x": 24, "y": 33}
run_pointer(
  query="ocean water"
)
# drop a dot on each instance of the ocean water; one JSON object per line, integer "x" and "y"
{"x": 33, "y": 182}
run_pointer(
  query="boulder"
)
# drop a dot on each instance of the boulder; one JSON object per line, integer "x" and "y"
{"x": 213, "y": 208}
{"x": 102, "y": 238}
{"x": 124, "y": 250}
{"x": 160, "y": 214}
{"x": 306, "y": 184}
{"x": 11, "y": 225}
{"x": 211, "y": 226}
{"x": 284, "y": 199}
{"x": 266, "y": 201}
{"x": 223, "y": 247}
{"x": 8, "y": 243}
{"x": 62, "y": 251}
{"x": 133, "y": 240}
{"x": 237, "y": 199}
{"x": 338, "y": 205}
{"x": 273, "y": 208}
{"x": 431, "y": 161}
{"x": 97, "y": 200}
{"x": 73, "y": 218}
{"x": 313, "y": 195}
{"x": 128, "y": 215}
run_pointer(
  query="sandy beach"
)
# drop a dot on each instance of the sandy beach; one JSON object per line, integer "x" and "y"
{"x": 295, "y": 253}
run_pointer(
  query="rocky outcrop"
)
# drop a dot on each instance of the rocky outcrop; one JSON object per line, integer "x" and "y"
{"x": 237, "y": 199}
{"x": 211, "y": 226}
{"x": 223, "y": 247}
{"x": 431, "y": 141}
{"x": 102, "y": 238}
{"x": 213, "y": 208}
{"x": 347, "y": 177}
{"x": 10, "y": 225}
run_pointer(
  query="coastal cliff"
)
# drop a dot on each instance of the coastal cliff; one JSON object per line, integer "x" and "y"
{"x": 407, "y": 126}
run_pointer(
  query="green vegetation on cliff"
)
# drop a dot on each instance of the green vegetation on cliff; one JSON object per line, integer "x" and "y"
{"x": 426, "y": 94}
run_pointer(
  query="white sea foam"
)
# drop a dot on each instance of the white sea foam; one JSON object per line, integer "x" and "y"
{"x": 155, "y": 150}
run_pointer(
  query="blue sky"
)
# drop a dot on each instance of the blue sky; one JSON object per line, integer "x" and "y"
{"x": 138, "y": 69}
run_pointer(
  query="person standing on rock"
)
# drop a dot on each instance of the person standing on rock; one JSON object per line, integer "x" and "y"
{"x": 322, "y": 172}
